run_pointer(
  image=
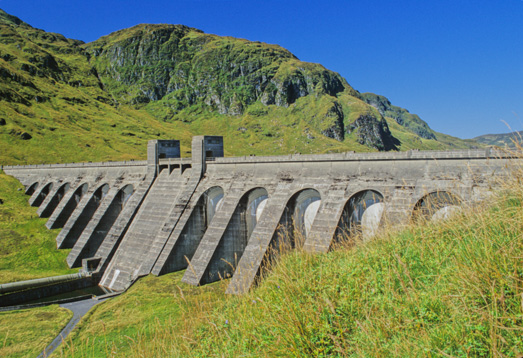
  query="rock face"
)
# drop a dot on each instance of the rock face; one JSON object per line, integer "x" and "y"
{"x": 188, "y": 66}
{"x": 411, "y": 121}
{"x": 335, "y": 115}
{"x": 373, "y": 132}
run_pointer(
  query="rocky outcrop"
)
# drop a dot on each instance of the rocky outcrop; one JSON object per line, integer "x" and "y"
{"x": 373, "y": 132}
{"x": 410, "y": 121}
{"x": 182, "y": 66}
{"x": 335, "y": 116}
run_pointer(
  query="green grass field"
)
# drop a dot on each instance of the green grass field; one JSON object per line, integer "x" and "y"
{"x": 27, "y": 248}
{"x": 26, "y": 333}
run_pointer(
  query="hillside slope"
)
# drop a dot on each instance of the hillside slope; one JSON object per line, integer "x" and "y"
{"x": 511, "y": 140}
{"x": 28, "y": 248}
{"x": 63, "y": 100}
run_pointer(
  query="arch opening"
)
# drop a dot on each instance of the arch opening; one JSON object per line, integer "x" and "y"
{"x": 84, "y": 217}
{"x": 55, "y": 200}
{"x": 71, "y": 205}
{"x": 236, "y": 236}
{"x": 199, "y": 220}
{"x": 32, "y": 188}
{"x": 42, "y": 195}
{"x": 437, "y": 205}
{"x": 361, "y": 216}
{"x": 105, "y": 224}
{"x": 297, "y": 218}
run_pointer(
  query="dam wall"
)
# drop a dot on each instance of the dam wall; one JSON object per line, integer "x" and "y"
{"x": 225, "y": 217}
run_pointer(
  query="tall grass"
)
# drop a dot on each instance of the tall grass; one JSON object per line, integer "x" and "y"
{"x": 26, "y": 333}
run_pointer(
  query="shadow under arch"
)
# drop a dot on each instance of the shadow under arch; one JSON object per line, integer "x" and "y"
{"x": 84, "y": 217}
{"x": 105, "y": 224}
{"x": 296, "y": 220}
{"x": 55, "y": 200}
{"x": 42, "y": 195}
{"x": 361, "y": 215}
{"x": 32, "y": 188}
{"x": 196, "y": 226}
{"x": 236, "y": 236}
{"x": 435, "y": 205}
{"x": 71, "y": 205}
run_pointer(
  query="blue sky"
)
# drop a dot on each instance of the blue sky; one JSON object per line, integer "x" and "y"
{"x": 458, "y": 64}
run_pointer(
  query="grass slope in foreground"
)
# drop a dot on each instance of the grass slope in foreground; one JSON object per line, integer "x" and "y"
{"x": 448, "y": 289}
{"x": 26, "y": 333}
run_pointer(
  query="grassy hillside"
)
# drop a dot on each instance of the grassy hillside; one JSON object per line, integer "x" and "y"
{"x": 62, "y": 100}
{"x": 27, "y": 248}
{"x": 510, "y": 140}
{"x": 26, "y": 333}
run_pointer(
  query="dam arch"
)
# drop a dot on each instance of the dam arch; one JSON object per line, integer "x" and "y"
{"x": 290, "y": 232}
{"x": 70, "y": 206}
{"x": 42, "y": 195}
{"x": 32, "y": 188}
{"x": 361, "y": 215}
{"x": 436, "y": 205}
{"x": 84, "y": 217}
{"x": 190, "y": 237}
{"x": 296, "y": 220}
{"x": 55, "y": 200}
{"x": 236, "y": 236}
{"x": 105, "y": 224}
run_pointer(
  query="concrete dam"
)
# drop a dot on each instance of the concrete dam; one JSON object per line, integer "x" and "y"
{"x": 223, "y": 217}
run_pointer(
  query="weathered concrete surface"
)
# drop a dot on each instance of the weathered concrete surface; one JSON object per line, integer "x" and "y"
{"x": 67, "y": 205}
{"x": 224, "y": 217}
{"x": 155, "y": 220}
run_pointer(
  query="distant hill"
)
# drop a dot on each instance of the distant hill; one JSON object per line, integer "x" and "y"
{"x": 510, "y": 140}
{"x": 64, "y": 100}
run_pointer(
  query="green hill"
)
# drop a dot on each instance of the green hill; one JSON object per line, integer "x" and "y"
{"x": 63, "y": 100}
{"x": 510, "y": 140}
